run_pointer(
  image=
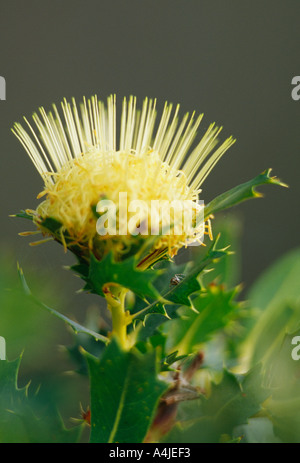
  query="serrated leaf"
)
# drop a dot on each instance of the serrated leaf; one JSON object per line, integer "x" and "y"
{"x": 228, "y": 269}
{"x": 139, "y": 308}
{"x": 170, "y": 359}
{"x": 230, "y": 404}
{"x": 82, "y": 269}
{"x": 177, "y": 295}
{"x": 240, "y": 193}
{"x": 124, "y": 394}
{"x": 74, "y": 325}
{"x": 215, "y": 307}
{"x": 123, "y": 273}
{"x": 180, "y": 293}
{"x": 152, "y": 321}
{"x": 155, "y": 308}
{"x": 21, "y": 419}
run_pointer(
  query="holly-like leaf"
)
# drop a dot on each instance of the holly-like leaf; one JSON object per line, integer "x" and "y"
{"x": 159, "y": 312}
{"x": 82, "y": 268}
{"x": 21, "y": 418}
{"x": 155, "y": 308}
{"x": 231, "y": 403}
{"x": 241, "y": 193}
{"x": 228, "y": 269}
{"x": 181, "y": 292}
{"x": 123, "y": 273}
{"x": 170, "y": 359}
{"x": 125, "y": 392}
{"x": 215, "y": 308}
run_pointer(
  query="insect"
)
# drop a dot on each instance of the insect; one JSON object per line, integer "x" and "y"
{"x": 176, "y": 279}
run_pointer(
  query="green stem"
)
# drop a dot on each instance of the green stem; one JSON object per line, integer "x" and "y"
{"x": 115, "y": 297}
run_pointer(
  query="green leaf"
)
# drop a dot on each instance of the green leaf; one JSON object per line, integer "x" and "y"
{"x": 74, "y": 325}
{"x": 215, "y": 309}
{"x": 228, "y": 269}
{"x": 240, "y": 193}
{"x": 231, "y": 403}
{"x": 158, "y": 312}
{"x": 124, "y": 394}
{"x": 22, "y": 420}
{"x": 123, "y": 273}
{"x": 51, "y": 224}
{"x": 154, "y": 308}
{"x": 82, "y": 268}
{"x": 180, "y": 294}
{"x": 172, "y": 358}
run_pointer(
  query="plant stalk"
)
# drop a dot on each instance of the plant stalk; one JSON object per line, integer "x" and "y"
{"x": 115, "y": 296}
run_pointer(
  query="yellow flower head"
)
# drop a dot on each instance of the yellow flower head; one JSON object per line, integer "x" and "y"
{"x": 81, "y": 163}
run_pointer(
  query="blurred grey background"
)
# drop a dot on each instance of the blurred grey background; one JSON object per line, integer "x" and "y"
{"x": 233, "y": 60}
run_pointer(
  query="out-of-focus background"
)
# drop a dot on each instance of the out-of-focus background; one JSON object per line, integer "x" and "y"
{"x": 233, "y": 60}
